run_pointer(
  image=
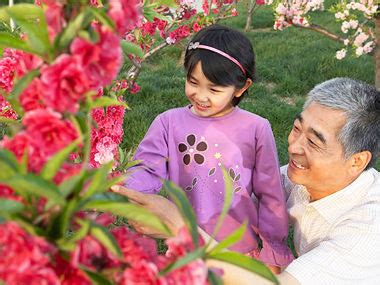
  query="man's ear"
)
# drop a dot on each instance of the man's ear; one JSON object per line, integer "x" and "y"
{"x": 240, "y": 91}
{"x": 359, "y": 162}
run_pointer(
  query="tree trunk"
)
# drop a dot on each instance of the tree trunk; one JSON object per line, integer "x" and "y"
{"x": 251, "y": 8}
{"x": 377, "y": 52}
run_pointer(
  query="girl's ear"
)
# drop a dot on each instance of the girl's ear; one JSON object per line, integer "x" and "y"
{"x": 239, "y": 92}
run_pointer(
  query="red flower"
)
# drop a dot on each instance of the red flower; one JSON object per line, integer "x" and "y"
{"x": 7, "y": 73}
{"x": 66, "y": 171}
{"x": 8, "y": 193}
{"x": 25, "y": 259}
{"x": 25, "y": 61}
{"x": 31, "y": 97}
{"x": 125, "y": 14}
{"x": 141, "y": 273}
{"x": 64, "y": 83}
{"x": 196, "y": 27}
{"x": 48, "y": 131}
{"x": 134, "y": 247}
{"x": 90, "y": 253}
{"x": 68, "y": 274}
{"x": 101, "y": 61}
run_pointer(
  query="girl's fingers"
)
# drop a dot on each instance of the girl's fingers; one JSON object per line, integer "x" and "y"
{"x": 133, "y": 196}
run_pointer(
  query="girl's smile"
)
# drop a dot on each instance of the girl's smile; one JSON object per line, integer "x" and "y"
{"x": 208, "y": 99}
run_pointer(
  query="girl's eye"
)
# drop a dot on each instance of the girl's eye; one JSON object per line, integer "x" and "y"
{"x": 215, "y": 90}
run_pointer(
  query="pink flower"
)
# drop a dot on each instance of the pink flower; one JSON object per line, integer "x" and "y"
{"x": 134, "y": 88}
{"x": 134, "y": 247}
{"x": 54, "y": 16}
{"x": 25, "y": 61}
{"x": 31, "y": 98}
{"x": 8, "y": 193}
{"x": 7, "y": 73}
{"x": 142, "y": 273}
{"x": 196, "y": 27}
{"x": 48, "y": 131}
{"x": 64, "y": 84}
{"x": 66, "y": 171}
{"x": 125, "y": 14}
{"x": 6, "y": 109}
{"x": 101, "y": 61}
{"x": 90, "y": 253}
{"x": 70, "y": 275}
{"x": 25, "y": 259}
{"x": 234, "y": 12}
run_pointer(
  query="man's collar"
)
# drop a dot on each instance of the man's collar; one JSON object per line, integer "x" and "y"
{"x": 333, "y": 206}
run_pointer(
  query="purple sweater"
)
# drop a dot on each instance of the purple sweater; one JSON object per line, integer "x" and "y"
{"x": 190, "y": 150}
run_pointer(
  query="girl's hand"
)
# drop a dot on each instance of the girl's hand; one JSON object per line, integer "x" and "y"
{"x": 275, "y": 269}
{"x": 164, "y": 209}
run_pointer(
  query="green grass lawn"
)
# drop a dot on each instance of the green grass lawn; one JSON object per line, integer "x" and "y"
{"x": 289, "y": 64}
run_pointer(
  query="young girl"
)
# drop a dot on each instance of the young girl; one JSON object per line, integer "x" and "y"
{"x": 189, "y": 145}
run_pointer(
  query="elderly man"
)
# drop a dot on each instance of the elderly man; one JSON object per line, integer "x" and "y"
{"x": 332, "y": 188}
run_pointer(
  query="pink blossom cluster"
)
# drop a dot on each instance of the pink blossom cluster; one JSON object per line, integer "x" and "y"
{"x": 125, "y": 85}
{"x": 26, "y": 259}
{"x": 353, "y": 15}
{"x": 108, "y": 134}
{"x": 14, "y": 64}
{"x": 294, "y": 12}
{"x": 126, "y": 14}
{"x": 45, "y": 133}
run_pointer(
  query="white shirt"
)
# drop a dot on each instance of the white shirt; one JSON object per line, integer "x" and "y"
{"x": 337, "y": 238}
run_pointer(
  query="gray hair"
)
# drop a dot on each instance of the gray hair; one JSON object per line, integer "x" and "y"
{"x": 361, "y": 104}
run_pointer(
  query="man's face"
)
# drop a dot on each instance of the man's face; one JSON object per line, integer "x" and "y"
{"x": 316, "y": 157}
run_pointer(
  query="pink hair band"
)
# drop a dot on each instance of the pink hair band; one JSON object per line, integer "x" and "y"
{"x": 197, "y": 45}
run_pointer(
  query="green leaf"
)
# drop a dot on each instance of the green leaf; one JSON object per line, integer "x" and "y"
{"x": 107, "y": 101}
{"x": 102, "y": 17}
{"x": 96, "y": 278}
{"x": 62, "y": 223}
{"x": 23, "y": 82}
{"x": 99, "y": 180}
{"x": 69, "y": 243}
{"x": 129, "y": 211}
{"x": 32, "y": 21}
{"x": 231, "y": 239}
{"x": 213, "y": 278}
{"x": 54, "y": 163}
{"x": 179, "y": 198}
{"x": 10, "y": 41}
{"x": 74, "y": 183}
{"x": 10, "y": 206}
{"x": 5, "y": 120}
{"x": 228, "y": 191}
{"x": 245, "y": 262}
{"x": 198, "y": 253}
{"x": 106, "y": 239}
{"x": 9, "y": 159}
{"x": 35, "y": 185}
{"x": 131, "y": 48}
{"x": 71, "y": 31}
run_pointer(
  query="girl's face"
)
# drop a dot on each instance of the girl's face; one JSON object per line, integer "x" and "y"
{"x": 208, "y": 99}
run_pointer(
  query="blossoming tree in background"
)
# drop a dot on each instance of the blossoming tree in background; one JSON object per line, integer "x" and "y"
{"x": 166, "y": 26}
{"x": 356, "y": 17}
{"x": 59, "y": 157}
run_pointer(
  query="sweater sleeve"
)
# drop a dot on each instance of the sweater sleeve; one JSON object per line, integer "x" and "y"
{"x": 153, "y": 155}
{"x": 272, "y": 213}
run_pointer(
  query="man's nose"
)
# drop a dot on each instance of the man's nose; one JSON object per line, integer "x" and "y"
{"x": 296, "y": 145}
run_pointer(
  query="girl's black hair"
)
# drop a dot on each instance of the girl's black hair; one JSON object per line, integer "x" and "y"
{"x": 218, "y": 69}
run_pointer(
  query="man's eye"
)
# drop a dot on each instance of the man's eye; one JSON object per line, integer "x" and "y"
{"x": 312, "y": 143}
{"x": 295, "y": 128}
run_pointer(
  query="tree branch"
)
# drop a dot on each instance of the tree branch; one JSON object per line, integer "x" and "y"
{"x": 323, "y": 31}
